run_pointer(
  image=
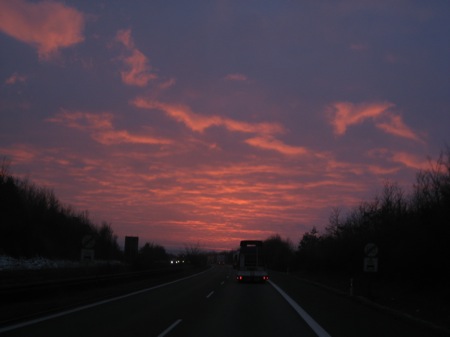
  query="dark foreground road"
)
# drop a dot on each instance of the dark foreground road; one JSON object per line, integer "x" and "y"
{"x": 213, "y": 304}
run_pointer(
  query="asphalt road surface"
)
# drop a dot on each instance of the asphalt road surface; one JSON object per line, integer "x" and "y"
{"x": 213, "y": 304}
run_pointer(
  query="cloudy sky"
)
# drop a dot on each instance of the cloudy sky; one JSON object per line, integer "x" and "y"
{"x": 209, "y": 122}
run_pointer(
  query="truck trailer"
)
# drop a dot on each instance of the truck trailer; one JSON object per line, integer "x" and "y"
{"x": 250, "y": 263}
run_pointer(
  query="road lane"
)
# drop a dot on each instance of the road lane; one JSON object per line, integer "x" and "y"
{"x": 143, "y": 314}
{"x": 321, "y": 332}
{"x": 344, "y": 316}
{"x": 247, "y": 309}
{"x": 214, "y": 304}
{"x": 210, "y": 304}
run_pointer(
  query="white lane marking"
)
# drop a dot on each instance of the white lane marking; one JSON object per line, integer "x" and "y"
{"x": 222, "y": 283}
{"x": 170, "y": 328}
{"x": 88, "y": 306}
{"x": 210, "y": 294}
{"x": 303, "y": 314}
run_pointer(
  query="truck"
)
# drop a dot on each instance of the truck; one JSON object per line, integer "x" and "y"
{"x": 249, "y": 262}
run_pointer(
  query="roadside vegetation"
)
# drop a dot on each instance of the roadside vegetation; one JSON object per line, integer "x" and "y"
{"x": 411, "y": 231}
{"x": 35, "y": 225}
{"x": 33, "y": 222}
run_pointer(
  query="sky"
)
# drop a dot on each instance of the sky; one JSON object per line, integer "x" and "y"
{"x": 209, "y": 122}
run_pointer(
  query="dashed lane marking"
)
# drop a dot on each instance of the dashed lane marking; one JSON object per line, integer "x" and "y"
{"x": 210, "y": 294}
{"x": 170, "y": 328}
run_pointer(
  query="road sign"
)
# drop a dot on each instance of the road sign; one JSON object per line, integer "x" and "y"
{"x": 371, "y": 264}
{"x": 88, "y": 242}
{"x": 87, "y": 255}
{"x": 371, "y": 250}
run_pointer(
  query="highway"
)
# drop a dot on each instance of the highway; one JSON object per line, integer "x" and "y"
{"x": 212, "y": 303}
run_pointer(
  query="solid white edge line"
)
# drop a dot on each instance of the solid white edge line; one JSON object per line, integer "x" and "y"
{"x": 170, "y": 328}
{"x": 303, "y": 314}
{"x": 88, "y": 306}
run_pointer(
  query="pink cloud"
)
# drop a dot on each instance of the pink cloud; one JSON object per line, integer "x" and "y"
{"x": 15, "y": 78}
{"x": 124, "y": 37}
{"x": 182, "y": 114}
{"x": 345, "y": 114}
{"x": 410, "y": 160}
{"x": 20, "y": 153}
{"x": 406, "y": 159}
{"x": 138, "y": 70}
{"x": 270, "y": 143}
{"x": 236, "y": 77}
{"x": 102, "y": 130}
{"x": 122, "y": 136}
{"x": 395, "y": 126}
{"x": 84, "y": 120}
{"x": 199, "y": 123}
{"x": 47, "y": 25}
{"x": 359, "y": 47}
{"x": 167, "y": 84}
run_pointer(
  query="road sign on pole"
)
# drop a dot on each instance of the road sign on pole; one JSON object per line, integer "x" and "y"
{"x": 371, "y": 250}
{"x": 371, "y": 259}
{"x": 371, "y": 264}
{"x": 87, "y": 255}
{"x": 88, "y": 242}
{"x": 87, "y": 248}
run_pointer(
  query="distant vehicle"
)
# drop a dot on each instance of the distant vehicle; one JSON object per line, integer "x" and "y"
{"x": 249, "y": 262}
{"x": 221, "y": 259}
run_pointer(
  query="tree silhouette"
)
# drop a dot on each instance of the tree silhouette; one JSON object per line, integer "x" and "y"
{"x": 279, "y": 253}
{"x": 411, "y": 231}
{"x": 34, "y": 223}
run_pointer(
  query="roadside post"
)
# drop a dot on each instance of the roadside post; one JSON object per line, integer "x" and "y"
{"x": 370, "y": 265}
{"x": 131, "y": 249}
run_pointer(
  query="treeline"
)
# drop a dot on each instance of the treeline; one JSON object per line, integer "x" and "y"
{"x": 34, "y": 223}
{"x": 411, "y": 231}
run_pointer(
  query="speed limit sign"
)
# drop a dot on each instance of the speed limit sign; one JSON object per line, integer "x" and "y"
{"x": 371, "y": 250}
